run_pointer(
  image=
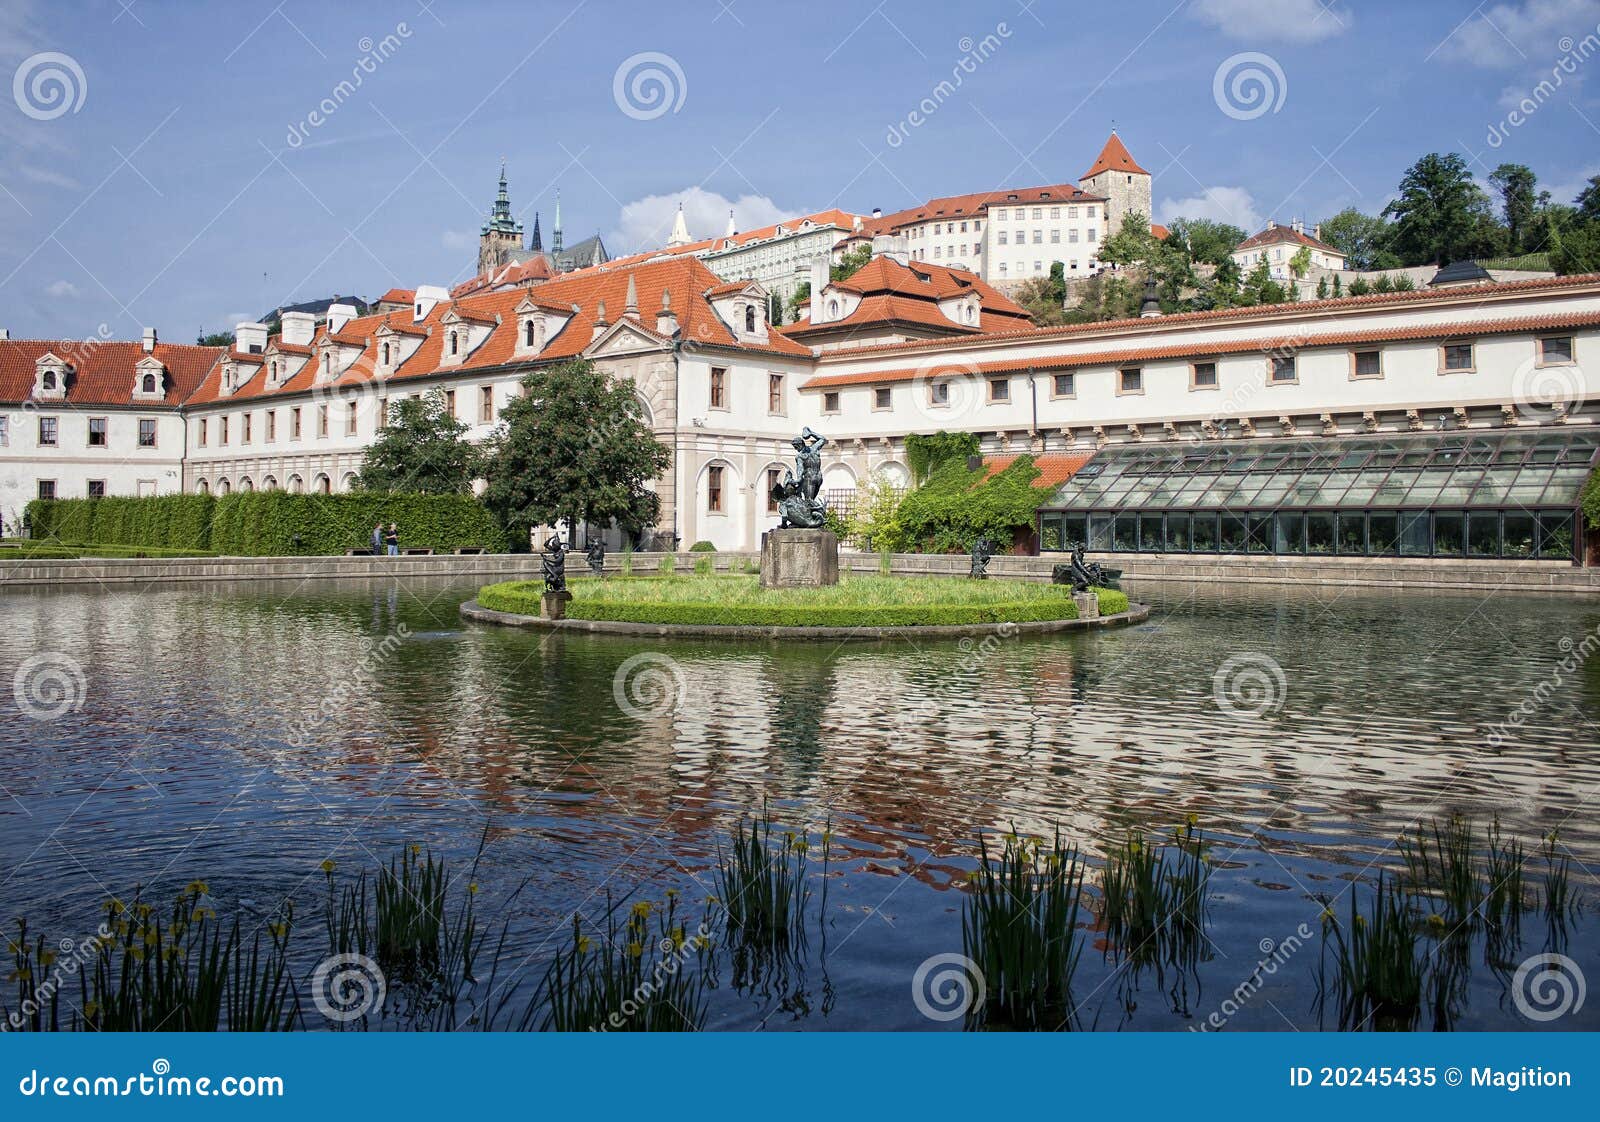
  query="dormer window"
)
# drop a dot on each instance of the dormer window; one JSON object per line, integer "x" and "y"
{"x": 147, "y": 384}
{"x": 50, "y": 377}
{"x": 455, "y": 343}
{"x": 49, "y": 380}
{"x": 386, "y": 354}
{"x": 749, "y": 319}
{"x": 528, "y": 330}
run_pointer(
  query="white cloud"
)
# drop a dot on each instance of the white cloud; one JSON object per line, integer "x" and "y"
{"x": 647, "y": 223}
{"x": 1534, "y": 33}
{"x": 1287, "y": 21}
{"x": 62, "y": 290}
{"x": 458, "y": 239}
{"x": 1220, "y": 204}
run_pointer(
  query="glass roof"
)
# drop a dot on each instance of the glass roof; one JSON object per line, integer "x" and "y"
{"x": 1506, "y": 468}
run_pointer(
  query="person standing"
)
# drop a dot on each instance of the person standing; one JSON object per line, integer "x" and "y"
{"x": 391, "y": 538}
{"x": 377, "y": 539}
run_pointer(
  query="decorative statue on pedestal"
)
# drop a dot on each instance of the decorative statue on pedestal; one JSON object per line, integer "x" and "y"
{"x": 596, "y": 553}
{"x": 554, "y": 565}
{"x": 1083, "y": 575}
{"x": 798, "y": 505}
{"x": 982, "y": 551}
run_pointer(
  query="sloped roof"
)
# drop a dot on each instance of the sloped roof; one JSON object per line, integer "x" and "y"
{"x": 892, "y": 292}
{"x": 1055, "y": 468}
{"x": 1113, "y": 157}
{"x": 974, "y": 205}
{"x": 103, "y": 372}
{"x": 1274, "y": 235}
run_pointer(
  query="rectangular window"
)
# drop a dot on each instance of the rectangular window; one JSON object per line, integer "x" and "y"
{"x": 147, "y": 432}
{"x": 97, "y": 488}
{"x": 1130, "y": 380}
{"x": 5, "y": 431}
{"x": 1555, "y": 350}
{"x": 1088, "y": 212}
{"x": 47, "y": 432}
{"x": 244, "y": 429}
{"x": 450, "y": 403}
{"x": 1055, "y": 212}
{"x": 294, "y": 423}
{"x": 999, "y": 389}
{"x": 485, "y": 405}
{"x": 774, "y": 393}
{"x": 830, "y": 401}
{"x": 47, "y": 488}
{"x": 97, "y": 432}
{"x": 1003, "y": 238}
{"x": 1038, "y": 237}
{"x": 1091, "y": 234}
{"x": 774, "y": 478}
{"x": 719, "y": 387}
{"x": 1458, "y": 356}
{"x": 939, "y": 393}
{"x": 350, "y": 419}
{"x": 202, "y": 436}
{"x": 1072, "y": 236}
{"x": 322, "y": 420}
{"x": 1062, "y": 385}
{"x": 1366, "y": 364}
{"x": 1283, "y": 368}
{"x": 222, "y": 430}
{"x": 1055, "y": 237}
{"x": 272, "y": 425}
{"x": 714, "y": 490}
{"x": 1203, "y": 376}
{"x": 882, "y": 397}
{"x": 1038, "y": 212}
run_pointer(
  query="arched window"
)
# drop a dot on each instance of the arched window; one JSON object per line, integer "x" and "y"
{"x": 269, "y": 483}
{"x": 527, "y": 333}
{"x": 201, "y": 487}
{"x": 833, "y": 307}
{"x": 453, "y": 347}
{"x": 246, "y": 485}
{"x": 322, "y": 485}
{"x": 49, "y": 379}
{"x": 296, "y": 484}
{"x": 149, "y": 383}
{"x": 750, "y": 319}
{"x": 348, "y": 483}
{"x": 386, "y": 354}
{"x": 223, "y": 487}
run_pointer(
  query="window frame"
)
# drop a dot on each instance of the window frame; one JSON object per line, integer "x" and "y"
{"x": 1274, "y": 364}
{"x": 104, "y": 431}
{"x": 714, "y": 489}
{"x": 885, "y": 395}
{"x": 989, "y": 386}
{"x": 1122, "y": 381}
{"x": 1355, "y": 364}
{"x": 777, "y": 406}
{"x": 1444, "y": 358}
{"x": 830, "y": 402}
{"x": 54, "y": 423}
{"x": 717, "y": 389}
{"x": 1072, "y": 383}
{"x": 1572, "y": 351}
{"x": 1194, "y": 375}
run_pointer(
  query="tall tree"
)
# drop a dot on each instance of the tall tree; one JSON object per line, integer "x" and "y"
{"x": 1588, "y": 200}
{"x": 1205, "y": 240}
{"x": 1517, "y": 186}
{"x": 1362, "y": 238}
{"x": 422, "y": 448}
{"x": 1045, "y": 297}
{"x": 1438, "y": 216}
{"x": 573, "y": 446}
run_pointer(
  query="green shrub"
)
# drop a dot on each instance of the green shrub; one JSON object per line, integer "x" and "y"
{"x": 1112, "y": 601}
{"x": 958, "y": 505}
{"x": 1590, "y": 501}
{"x": 702, "y": 547}
{"x": 175, "y": 522}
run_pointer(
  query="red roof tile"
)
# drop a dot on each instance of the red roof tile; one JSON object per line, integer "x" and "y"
{"x": 1113, "y": 157}
{"x": 102, "y": 372}
{"x": 1055, "y": 468}
{"x": 397, "y": 296}
{"x": 1273, "y": 235}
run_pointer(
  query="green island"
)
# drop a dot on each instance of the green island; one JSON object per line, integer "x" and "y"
{"x": 858, "y": 600}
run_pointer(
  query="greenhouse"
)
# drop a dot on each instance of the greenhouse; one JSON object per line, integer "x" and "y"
{"x": 1503, "y": 494}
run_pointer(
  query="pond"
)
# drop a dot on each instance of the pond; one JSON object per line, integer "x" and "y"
{"x": 245, "y": 735}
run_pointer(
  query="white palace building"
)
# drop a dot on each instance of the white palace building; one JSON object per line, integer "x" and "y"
{"x": 1437, "y": 421}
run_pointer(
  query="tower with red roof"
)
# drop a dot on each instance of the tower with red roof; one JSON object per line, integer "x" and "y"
{"x": 1117, "y": 177}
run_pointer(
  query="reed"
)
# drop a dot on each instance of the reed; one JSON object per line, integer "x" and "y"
{"x": 1153, "y": 899}
{"x": 1556, "y": 898}
{"x": 1020, "y": 928}
{"x": 1378, "y": 961}
{"x": 1439, "y": 864}
{"x": 761, "y": 881}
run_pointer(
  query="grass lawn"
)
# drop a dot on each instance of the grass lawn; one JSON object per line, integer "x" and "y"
{"x": 857, "y": 600}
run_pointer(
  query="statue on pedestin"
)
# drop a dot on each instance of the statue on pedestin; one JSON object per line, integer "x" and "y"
{"x": 553, "y": 565}
{"x": 796, "y": 498}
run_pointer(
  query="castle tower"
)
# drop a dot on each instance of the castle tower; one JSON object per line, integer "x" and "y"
{"x": 1117, "y": 177}
{"x": 501, "y": 235}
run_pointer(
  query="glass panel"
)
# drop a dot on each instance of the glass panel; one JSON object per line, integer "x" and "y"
{"x": 1353, "y": 533}
{"x": 1319, "y": 532}
{"x": 1483, "y": 534}
{"x": 1414, "y": 534}
{"x": 1394, "y": 489}
{"x": 1260, "y": 526}
{"x": 1099, "y": 532}
{"x": 1272, "y": 494}
{"x": 1074, "y": 529}
{"x": 1150, "y": 538}
{"x": 1124, "y": 533}
{"x": 1382, "y": 532}
{"x": 1555, "y": 534}
{"x": 1049, "y": 532}
{"x": 1518, "y": 535}
{"x": 1496, "y": 486}
{"x": 1232, "y": 538}
{"x": 1334, "y": 487}
{"x": 1289, "y": 533}
{"x": 1427, "y": 488}
{"x": 1177, "y": 533}
{"x": 1461, "y": 485}
{"x": 1530, "y": 485}
{"x": 1205, "y": 533}
{"x": 1449, "y": 533}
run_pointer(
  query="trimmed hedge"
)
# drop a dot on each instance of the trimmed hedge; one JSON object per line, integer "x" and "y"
{"x": 1113, "y": 602}
{"x": 262, "y": 523}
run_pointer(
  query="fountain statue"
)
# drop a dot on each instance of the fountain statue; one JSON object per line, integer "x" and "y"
{"x": 796, "y": 499}
{"x": 982, "y": 552}
{"x": 799, "y": 552}
{"x": 596, "y": 554}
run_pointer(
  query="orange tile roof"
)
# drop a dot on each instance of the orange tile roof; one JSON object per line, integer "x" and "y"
{"x": 1272, "y": 235}
{"x": 1121, "y": 356}
{"x": 1159, "y": 231}
{"x": 103, "y": 371}
{"x": 1055, "y": 468}
{"x": 397, "y": 296}
{"x": 1113, "y": 157}
{"x": 973, "y": 205}
{"x": 892, "y": 292}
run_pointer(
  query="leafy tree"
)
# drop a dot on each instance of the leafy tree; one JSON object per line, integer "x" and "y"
{"x": 1044, "y": 297}
{"x": 802, "y": 293}
{"x": 1362, "y": 238}
{"x": 422, "y": 449}
{"x": 926, "y": 453}
{"x": 1322, "y": 288}
{"x": 574, "y": 446}
{"x": 850, "y": 262}
{"x": 1588, "y": 200}
{"x": 1205, "y": 240}
{"x": 1518, "y": 200}
{"x": 1260, "y": 288}
{"x": 215, "y": 339}
{"x": 1300, "y": 263}
{"x": 1359, "y": 287}
{"x": 1440, "y": 212}
{"x": 1577, "y": 250}
{"x": 872, "y": 518}
{"x": 1106, "y": 297}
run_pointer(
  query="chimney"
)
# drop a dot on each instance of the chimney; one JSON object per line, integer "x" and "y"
{"x": 666, "y": 322}
{"x": 877, "y": 212}
{"x": 5, "y": 333}
{"x": 339, "y": 315}
{"x": 299, "y": 328}
{"x": 1271, "y": 225}
{"x": 819, "y": 281}
{"x": 149, "y": 340}
{"x": 428, "y": 295}
{"x": 250, "y": 338}
{"x": 892, "y": 246}
{"x": 1316, "y": 231}
{"x": 1299, "y": 226}
{"x": 600, "y": 323}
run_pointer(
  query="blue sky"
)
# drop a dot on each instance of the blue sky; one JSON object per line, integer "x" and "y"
{"x": 165, "y": 171}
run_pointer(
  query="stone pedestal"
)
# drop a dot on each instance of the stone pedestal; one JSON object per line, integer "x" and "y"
{"x": 795, "y": 558}
{"x": 555, "y": 604}
{"x": 1088, "y": 605}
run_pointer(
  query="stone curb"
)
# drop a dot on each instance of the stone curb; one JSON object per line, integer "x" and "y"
{"x": 472, "y": 610}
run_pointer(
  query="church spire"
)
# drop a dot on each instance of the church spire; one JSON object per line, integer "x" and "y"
{"x": 555, "y": 243}
{"x": 680, "y": 230}
{"x": 500, "y": 218}
{"x": 536, "y": 243}
{"x": 732, "y": 229}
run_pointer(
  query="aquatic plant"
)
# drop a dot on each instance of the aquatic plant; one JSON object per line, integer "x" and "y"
{"x": 761, "y": 882}
{"x": 1379, "y": 963}
{"x": 1019, "y": 927}
{"x": 1153, "y": 898}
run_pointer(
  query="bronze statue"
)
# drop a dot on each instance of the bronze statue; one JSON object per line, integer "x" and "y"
{"x": 596, "y": 553}
{"x": 554, "y": 565}
{"x": 1083, "y": 575}
{"x": 982, "y": 551}
{"x": 796, "y": 499}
